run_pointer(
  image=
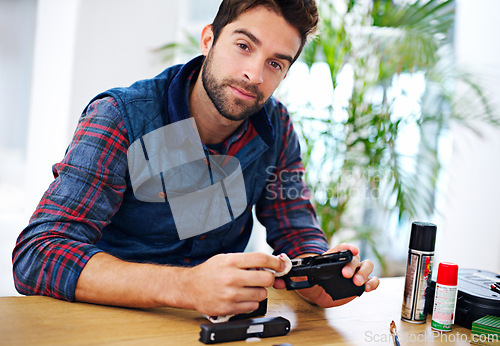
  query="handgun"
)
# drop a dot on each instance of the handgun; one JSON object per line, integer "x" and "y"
{"x": 213, "y": 333}
{"x": 325, "y": 271}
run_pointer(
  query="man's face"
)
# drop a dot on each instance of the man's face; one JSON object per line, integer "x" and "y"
{"x": 249, "y": 60}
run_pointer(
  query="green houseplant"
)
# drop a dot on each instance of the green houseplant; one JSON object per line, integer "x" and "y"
{"x": 357, "y": 171}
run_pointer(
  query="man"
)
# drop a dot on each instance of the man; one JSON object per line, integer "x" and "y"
{"x": 94, "y": 239}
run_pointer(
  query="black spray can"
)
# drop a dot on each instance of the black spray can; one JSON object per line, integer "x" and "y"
{"x": 418, "y": 271}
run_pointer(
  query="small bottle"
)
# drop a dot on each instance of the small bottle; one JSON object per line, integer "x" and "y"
{"x": 418, "y": 271}
{"x": 445, "y": 297}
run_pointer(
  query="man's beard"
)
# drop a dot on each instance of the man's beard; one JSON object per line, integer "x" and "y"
{"x": 241, "y": 110}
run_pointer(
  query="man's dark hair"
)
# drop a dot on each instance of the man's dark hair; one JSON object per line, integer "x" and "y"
{"x": 301, "y": 14}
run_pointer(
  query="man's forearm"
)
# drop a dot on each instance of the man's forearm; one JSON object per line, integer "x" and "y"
{"x": 222, "y": 285}
{"x": 108, "y": 280}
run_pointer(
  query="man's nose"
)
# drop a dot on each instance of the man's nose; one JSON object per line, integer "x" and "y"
{"x": 254, "y": 71}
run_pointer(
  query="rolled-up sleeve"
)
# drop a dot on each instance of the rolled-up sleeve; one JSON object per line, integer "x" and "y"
{"x": 88, "y": 189}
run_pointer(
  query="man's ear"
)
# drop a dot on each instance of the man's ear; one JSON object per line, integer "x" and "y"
{"x": 207, "y": 39}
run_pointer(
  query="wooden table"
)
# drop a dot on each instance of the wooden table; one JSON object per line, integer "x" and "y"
{"x": 47, "y": 321}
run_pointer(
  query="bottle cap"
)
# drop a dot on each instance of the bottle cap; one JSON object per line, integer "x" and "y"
{"x": 423, "y": 236}
{"x": 447, "y": 274}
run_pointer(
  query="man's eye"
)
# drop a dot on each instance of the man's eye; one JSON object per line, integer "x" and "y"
{"x": 275, "y": 65}
{"x": 243, "y": 46}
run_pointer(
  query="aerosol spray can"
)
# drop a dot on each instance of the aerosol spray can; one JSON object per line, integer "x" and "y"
{"x": 418, "y": 271}
{"x": 445, "y": 298}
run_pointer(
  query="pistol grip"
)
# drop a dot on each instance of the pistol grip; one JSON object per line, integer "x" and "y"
{"x": 340, "y": 288}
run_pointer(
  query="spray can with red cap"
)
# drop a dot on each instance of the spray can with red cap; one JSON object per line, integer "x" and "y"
{"x": 445, "y": 298}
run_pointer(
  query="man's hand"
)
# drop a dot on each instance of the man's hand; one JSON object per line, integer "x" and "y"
{"x": 359, "y": 271}
{"x": 223, "y": 285}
